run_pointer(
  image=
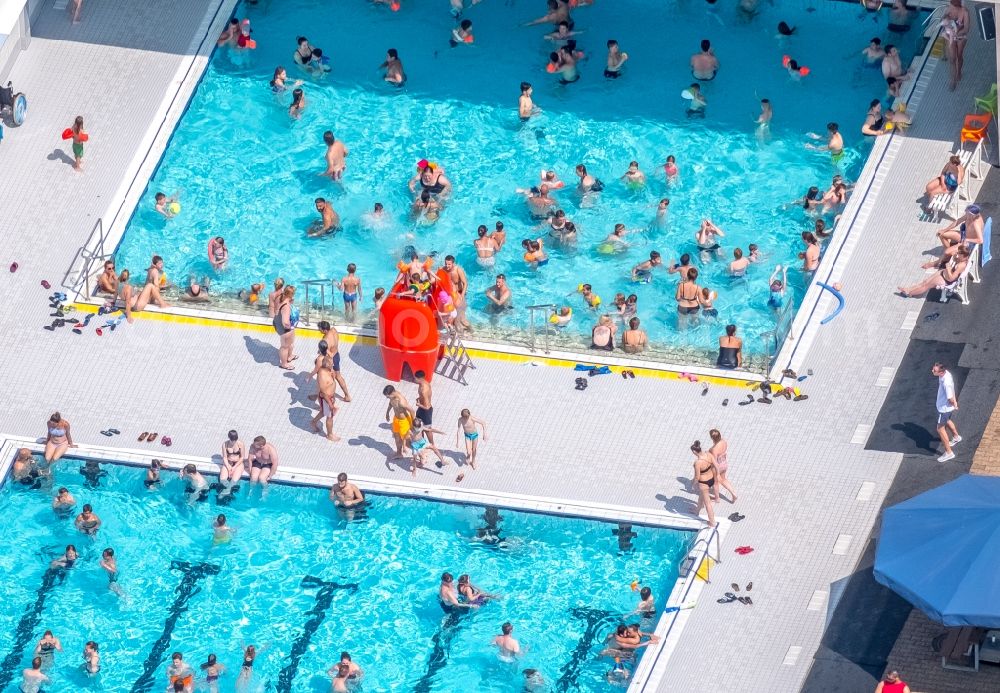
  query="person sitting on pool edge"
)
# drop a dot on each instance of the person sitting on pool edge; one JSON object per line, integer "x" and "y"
{"x": 730, "y": 350}
{"x": 328, "y": 223}
{"x": 603, "y": 335}
{"x": 634, "y": 340}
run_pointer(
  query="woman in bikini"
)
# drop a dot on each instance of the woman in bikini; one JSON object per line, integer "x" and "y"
{"x": 286, "y": 331}
{"x": 688, "y": 297}
{"x": 234, "y": 454}
{"x": 705, "y": 474}
{"x": 58, "y": 438}
{"x": 472, "y": 594}
{"x": 941, "y": 278}
{"x": 955, "y": 28}
{"x": 719, "y": 449}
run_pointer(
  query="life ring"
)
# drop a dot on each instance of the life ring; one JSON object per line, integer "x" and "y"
{"x": 840, "y": 304}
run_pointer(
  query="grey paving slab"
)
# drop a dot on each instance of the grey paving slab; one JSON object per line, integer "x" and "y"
{"x": 621, "y": 442}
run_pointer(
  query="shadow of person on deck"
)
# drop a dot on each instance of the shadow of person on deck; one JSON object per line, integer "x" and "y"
{"x": 262, "y": 352}
{"x": 678, "y": 504}
{"x": 60, "y": 155}
{"x": 922, "y": 438}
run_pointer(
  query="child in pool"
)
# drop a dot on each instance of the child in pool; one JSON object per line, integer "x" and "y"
{"x": 670, "y": 168}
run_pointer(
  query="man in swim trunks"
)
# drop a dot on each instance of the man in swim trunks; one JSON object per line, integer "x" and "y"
{"x": 336, "y": 153}
{"x": 332, "y": 339}
{"x": 873, "y": 52}
{"x": 539, "y": 201}
{"x": 565, "y": 63}
{"x": 425, "y": 408}
{"x": 402, "y": 417}
{"x": 448, "y": 595}
{"x": 326, "y": 399}
{"x": 460, "y": 283}
{"x": 499, "y": 295}
{"x": 704, "y": 65}
{"x": 263, "y": 460}
{"x": 329, "y": 221}
{"x": 964, "y": 231}
{"x": 87, "y": 521}
{"x": 344, "y": 494}
{"x": 350, "y": 284}
{"x": 509, "y": 646}
{"x": 486, "y": 247}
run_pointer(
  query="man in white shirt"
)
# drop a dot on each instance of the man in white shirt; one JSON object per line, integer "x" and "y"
{"x": 947, "y": 404}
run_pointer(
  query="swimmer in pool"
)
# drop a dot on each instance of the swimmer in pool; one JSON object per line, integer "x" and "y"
{"x": 328, "y": 223}
{"x": 486, "y": 247}
{"x": 152, "y": 479}
{"x": 91, "y": 658}
{"x": 892, "y": 64}
{"x": 617, "y": 238}
{"x": 197, "y": 486}
{"x": 810, "y": 256}
{"x": 562, "y": 33}
{"x": 540, "y": 203}
{"x": 340, "y": 674}
{"x": 704, "y": 65}
{"x": 738, "y": 267}
{"x": 298, "y": 103}
{"x": 697, "y": 102}
{"x": 525, "y": 106}
{"x": 499, "y": 235}
{"x": 616, "y": 60}
{"x": 467, "y": 429}
{"x": 754, "y": 253}
{"x": 179, "y": 671}
{"x": 448, "y": 596}
{"x": 592, "y": 300}
{"x": 87, "y": 521}
{"x": 643, "y": 272}
{"x": 588, "y": 183}
{"x": 550, "y": 179}
{"x": 336, "y": 155}
{"x": 834, "y": 142}
{"x": 222, "y": 533}
{"x": 344, "y": 494}
{"x": 462, "y": 34}
{"x": 766, "y": 114}
{"x": 163, "y": 204}
{"x": 46, "y": 649}
{"x": 647, "y": 605}
{"x": 509, "y": 646}
{"x": 110, "y": 565}
{"x": 393, "y": 67}
{"x": 534, "y": 253}
{"x": 218, "y": 253}
{"x": 32, "y": 678}
{"x": 873, "y": 53}
{"x": 633, "y": 178}
{"x": 707, "y": 237}
{"x": 558, "y": 12}
{"x": 279, "y": 82}
{"x": 303, "y": 53}
{"x": 682, "y": 267}
{"x": 472, "y": 594}
{"x": 670, "y": 169}
{"x": 66, "y": 561}
{"x": 777, "y": 287}
{"x": 499, "y": 295}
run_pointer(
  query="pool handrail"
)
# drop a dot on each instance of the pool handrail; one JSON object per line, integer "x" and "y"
{"x": 548, "y": 309}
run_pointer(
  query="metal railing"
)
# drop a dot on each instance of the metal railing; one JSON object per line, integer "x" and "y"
{"x": 772, "y": 340}
{"x": 307, "y": 303}
{"x": 547, "y": 310}
{"x": 93, "y": 250}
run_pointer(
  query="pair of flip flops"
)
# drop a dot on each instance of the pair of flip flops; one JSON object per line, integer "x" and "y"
{"x": 581, "y": 384}
{"x": 111, "y": 432}
{"x": 736, "y": 517}
{"x": 731, "y": 597}
{"x": 744, "y": 550}
{"x": 628, "y": 374}
{"x": 748, "y": 400}
{"x": 150, "y": 437}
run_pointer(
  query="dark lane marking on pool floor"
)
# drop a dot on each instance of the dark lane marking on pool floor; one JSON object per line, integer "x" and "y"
{"x": 188, "y": 587}
{"x": 25, "y": 630}
{"x": 596, "y": 619}
{"x": 442, "y": 645}
{"x": 324, "y": 598}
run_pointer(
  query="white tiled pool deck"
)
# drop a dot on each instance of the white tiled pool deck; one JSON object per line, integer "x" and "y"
{"x": 808, "y": 488}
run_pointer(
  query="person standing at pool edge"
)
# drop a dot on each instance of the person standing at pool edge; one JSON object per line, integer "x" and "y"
{"x": 285, "y": 327}
{"x": 402, "y": 418}
{"x": 947, "y": 404}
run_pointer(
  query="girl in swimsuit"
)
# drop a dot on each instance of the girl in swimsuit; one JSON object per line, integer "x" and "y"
{"x": 67, "y": 560}
{"x": 91, "y": 658}
{"x": 234, "y": 454}
{"x": 705, "y": 473}
{"x": 719, "y": 449}
{"x": 246, "y": 670}
{"x": 472, "y": 594}
{"x": 58, "y": 439}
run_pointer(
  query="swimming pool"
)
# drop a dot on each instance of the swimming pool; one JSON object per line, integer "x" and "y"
{"x": 247, "y": 171}
{"x": 302, "y": 584}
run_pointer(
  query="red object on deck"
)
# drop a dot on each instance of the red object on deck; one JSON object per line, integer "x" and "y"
{"x": 408, "y": 331}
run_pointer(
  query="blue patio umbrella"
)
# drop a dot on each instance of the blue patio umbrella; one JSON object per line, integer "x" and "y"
{"x": 941, "y": 552}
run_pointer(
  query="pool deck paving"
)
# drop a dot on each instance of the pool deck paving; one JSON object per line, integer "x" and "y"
{"x": 809, "y": 488}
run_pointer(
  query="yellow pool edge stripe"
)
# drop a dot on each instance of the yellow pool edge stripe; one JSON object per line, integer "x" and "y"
{"x": 372, "y": 341}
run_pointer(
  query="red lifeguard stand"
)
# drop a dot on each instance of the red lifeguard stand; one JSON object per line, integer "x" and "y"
{"x": 408, "y": 331}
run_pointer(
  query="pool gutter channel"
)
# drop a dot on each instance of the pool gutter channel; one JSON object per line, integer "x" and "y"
{"x": 652, "y": 666}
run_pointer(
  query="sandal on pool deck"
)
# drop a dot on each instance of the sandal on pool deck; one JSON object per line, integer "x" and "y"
{"x": 152, "y": 437}
{"x": 143, "y": 436}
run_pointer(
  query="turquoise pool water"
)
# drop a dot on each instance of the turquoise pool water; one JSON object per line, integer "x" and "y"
{"x": 247, "y": 171}
{"x": 304, "y": 584}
